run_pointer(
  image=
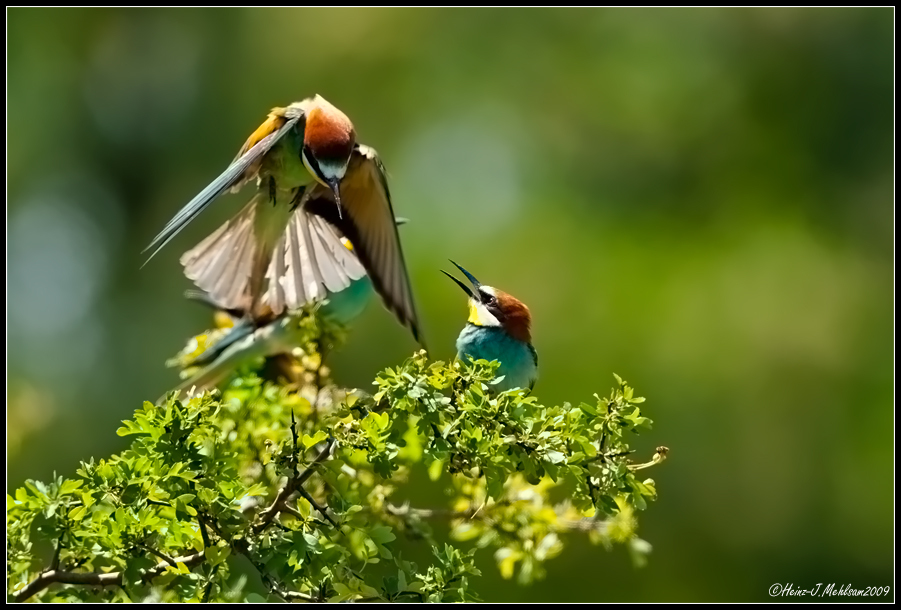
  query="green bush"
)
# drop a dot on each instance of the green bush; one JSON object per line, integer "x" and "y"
{"x": 290, "y": 491}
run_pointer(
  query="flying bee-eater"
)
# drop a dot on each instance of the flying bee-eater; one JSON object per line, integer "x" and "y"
{"x": 315, "y": 185}
{"x": 239, "y": 339}
{"x": 499, "y": 328}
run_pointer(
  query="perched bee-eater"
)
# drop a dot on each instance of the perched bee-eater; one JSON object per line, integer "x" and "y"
{"x": 239, "y": 339}
{"x": 315, "y": 185}
{"x": 499, "y": 328}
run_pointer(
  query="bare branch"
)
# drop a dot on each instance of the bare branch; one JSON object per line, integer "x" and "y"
{"x": 189, "y": 561}
{"x": 298, "y": 595}
{"x": 45, "y": 579}
{"x": 96, "y": 579}
{"x": 159, "y": 554}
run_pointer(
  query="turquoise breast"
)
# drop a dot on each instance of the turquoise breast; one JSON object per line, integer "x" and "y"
{"x": 519, "y": 363}
{"x": 345, "y": 306}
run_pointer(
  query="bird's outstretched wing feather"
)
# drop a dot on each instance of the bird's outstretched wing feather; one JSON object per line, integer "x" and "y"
{"x": 310, "y": 261}
{"x": 221, "y": 263}
{"x": 369, "y": 224}
{"x": 260, "y": 142}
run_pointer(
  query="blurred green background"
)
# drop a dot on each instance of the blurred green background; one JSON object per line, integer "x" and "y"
{"x": 698, "y": 200}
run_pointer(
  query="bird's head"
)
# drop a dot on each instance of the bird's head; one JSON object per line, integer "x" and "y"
{"x": 492, "y": 307}
{"x": 328, "y": 142}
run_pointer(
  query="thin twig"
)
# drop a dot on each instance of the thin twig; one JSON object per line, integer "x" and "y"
{"x": 293, "y": 512}
{"x": 54, "y": 563}
{"x": 203, "y": 533}
{"x": 303, "y": 492}
{"x": 430, "y": 513}
{"x": 583, "y": 525}
{"x": 205, "y": 596}
{"x": 294, "y": 438}
{"x": 159, "y": 554}
{"x": 659, "y": 456}
{"x": 298, "y": 595}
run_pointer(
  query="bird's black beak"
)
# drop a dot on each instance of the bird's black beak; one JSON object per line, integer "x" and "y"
{"x": 335, "y": 185}
{"x": 475, "y": 283}
{"x": 469, "y": 276}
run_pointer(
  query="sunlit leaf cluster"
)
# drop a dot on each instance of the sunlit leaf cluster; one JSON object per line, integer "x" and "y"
{"x": 296, "y": 491}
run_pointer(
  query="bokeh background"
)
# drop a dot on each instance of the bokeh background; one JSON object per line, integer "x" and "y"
{"x": 698, "y": 200}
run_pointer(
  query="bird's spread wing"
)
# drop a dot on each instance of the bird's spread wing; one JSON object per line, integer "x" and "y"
{"x": 260, "y": 142}
{"x": 310, "y": 261}
{"x": 369, "y": 223}
{"x": 220, "y": 264}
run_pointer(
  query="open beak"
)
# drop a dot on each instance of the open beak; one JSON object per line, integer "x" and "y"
{"x": 469, "y": 276}
{"x": 335, "y": 185}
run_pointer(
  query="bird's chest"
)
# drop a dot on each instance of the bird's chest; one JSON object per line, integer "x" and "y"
{"x": 490, "y": 343}
{"x": 285, "y": 165}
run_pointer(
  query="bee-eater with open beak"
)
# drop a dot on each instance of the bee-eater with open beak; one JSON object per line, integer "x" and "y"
{"x": 499, "y": 328}
{"x": 315, "y": 185}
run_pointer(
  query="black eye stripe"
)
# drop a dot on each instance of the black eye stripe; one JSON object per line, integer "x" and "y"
{"x": 311, "y": 160}
{"x": 488, "y": 299}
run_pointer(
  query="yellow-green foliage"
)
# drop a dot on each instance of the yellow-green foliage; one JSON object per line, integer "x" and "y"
{"x": 185, "y": 511}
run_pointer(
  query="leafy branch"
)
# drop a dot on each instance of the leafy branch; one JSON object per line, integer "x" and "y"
{"x": 210, "y": 478}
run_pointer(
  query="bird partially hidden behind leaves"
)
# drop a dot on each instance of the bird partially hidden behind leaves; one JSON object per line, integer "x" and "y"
{"x": 315, "y": 185}
{"x": 498, "y": 328}
{"x": 211, "y": 357}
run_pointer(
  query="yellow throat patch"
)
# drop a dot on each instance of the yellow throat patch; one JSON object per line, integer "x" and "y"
{"x": 475, "y": 314}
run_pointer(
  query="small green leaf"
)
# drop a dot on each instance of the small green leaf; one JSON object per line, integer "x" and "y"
{"x": 216, "y": 554}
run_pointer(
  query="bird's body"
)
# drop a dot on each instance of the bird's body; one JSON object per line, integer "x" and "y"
{"x": 242, "y": 341}
{"x": 315, "y": 186}
{"x": 519, "y": 361}
{"x": 239, "y": 339}
{"x": 498, "y": 328}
